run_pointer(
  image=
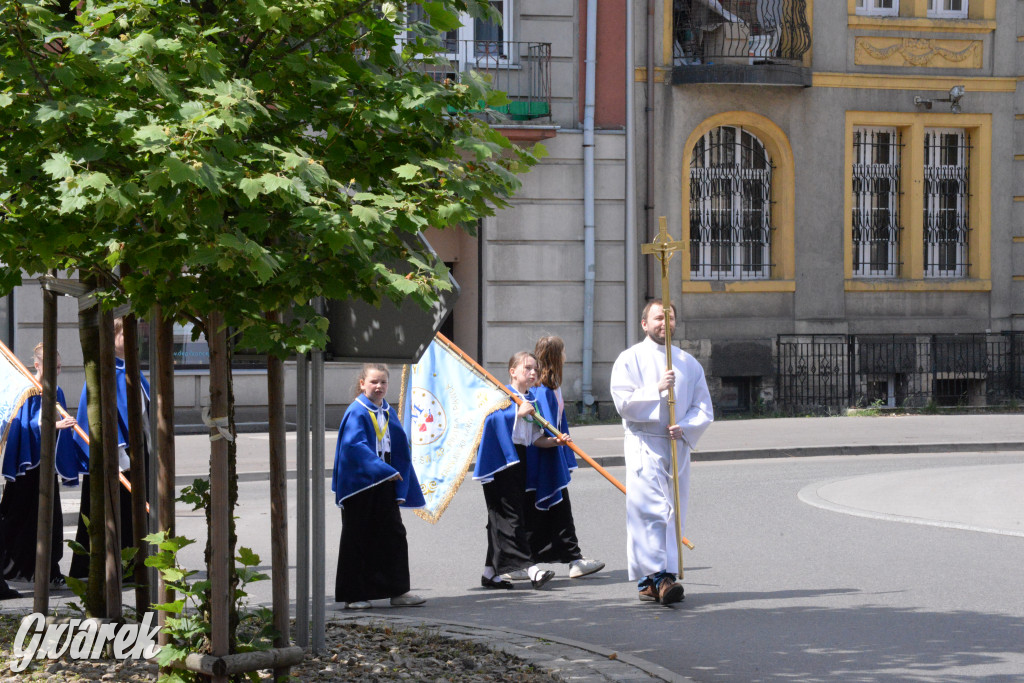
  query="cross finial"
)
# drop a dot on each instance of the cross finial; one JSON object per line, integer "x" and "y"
{"x": 663, "y": 247}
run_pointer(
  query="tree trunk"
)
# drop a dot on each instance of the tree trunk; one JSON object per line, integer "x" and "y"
{"x": 89, "y": 335}
{"x": 162, "y": 365}
{"x": 278, "y": 499}
{"x": 220, "y": 556}
{"x": 47, "y": 448}
{"x": 111, "y": 481}
{"x": 137, "y": 451}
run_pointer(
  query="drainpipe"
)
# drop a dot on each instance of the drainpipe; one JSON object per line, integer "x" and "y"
{"x": 631, "y": 236}
{"x": 649, "y": 180}
{"x": 588, "y": 206}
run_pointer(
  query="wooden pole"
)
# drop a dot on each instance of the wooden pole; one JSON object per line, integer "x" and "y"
{"x": 137, "y": 451}
{"x": 108, "y": 445}
{"x": 278, "y": 501}
{"x": 220, "y": 503}
{"x": 89, "y": 335}
{"x": 162, "y": 366}
{"x": 47, "y": 449}
{"x": 663, "y": 248}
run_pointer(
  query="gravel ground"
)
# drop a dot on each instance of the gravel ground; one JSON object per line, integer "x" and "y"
{"x": 357, "y": 653}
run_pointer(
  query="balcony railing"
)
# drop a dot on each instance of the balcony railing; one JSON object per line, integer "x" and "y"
{"x": 739, "y": 33}
{"x": 522, "y": 70}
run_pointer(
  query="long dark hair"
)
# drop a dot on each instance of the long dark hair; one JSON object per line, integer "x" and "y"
{"x": 549, "y": 351}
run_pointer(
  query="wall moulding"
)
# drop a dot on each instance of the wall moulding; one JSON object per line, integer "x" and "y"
{"x": 919, "y": 52}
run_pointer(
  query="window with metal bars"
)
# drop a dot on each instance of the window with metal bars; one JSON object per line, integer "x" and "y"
{"x": 730, "y": 206}
{"x": 876, "y": 202}
{"x": 946, "y": 202}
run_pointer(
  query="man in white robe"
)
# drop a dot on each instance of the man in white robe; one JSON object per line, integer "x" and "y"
{"x": 639, "y": 387}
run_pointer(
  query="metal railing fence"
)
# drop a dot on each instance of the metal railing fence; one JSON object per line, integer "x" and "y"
{"x": 829, "y": 373}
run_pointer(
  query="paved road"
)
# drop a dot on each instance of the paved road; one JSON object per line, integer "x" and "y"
{"x": 875, "y": 567}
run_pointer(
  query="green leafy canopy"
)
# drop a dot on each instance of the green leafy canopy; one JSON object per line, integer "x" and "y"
{"x": 239, "y": 156}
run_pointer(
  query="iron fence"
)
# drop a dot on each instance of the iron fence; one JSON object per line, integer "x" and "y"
{"x": 829, "y": 373}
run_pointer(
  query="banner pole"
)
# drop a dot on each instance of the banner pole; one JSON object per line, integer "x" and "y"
{"x": 551, "y": 429}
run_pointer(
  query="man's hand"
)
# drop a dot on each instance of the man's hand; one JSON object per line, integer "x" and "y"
{"x": 66, "y": 422}
{"x": 675, "y": 432}
{"x": 667, "y": 380}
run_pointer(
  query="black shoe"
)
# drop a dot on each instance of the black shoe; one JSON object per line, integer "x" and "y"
{"x": 8, "y": 593}
{"x": 542, "y": 578}
{"x": 495, "y": 582}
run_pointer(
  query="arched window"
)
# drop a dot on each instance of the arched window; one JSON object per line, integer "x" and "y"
{"x": 730, "y": 206}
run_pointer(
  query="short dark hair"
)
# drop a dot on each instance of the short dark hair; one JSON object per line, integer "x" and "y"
{"x": 647, "y": 308}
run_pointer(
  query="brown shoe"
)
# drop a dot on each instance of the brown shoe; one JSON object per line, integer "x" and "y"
{"x": 647, "y": 594}
{"x": 669, "y": 592}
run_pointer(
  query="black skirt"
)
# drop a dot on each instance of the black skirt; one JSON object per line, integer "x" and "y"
{"x": 19, "y": 517}
{"x": 373, "y": 561}
{"x": 508, "y": 545}
{"x": 552, "y": 532}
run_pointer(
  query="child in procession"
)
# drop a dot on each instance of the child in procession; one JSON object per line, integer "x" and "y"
{"x": 549, "y": 519}
{"x": 373, "y": 478}
{"x": 19, "y": 508}
{"x": 506, "y": 435}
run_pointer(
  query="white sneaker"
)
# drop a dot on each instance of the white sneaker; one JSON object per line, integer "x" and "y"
{"x": 358, "y": 604}
{"x": 517, "y": 575}
{"x": 583, "y": 567}
{"x": 407, "y": 600}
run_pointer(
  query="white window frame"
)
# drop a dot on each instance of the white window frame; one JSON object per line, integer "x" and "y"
{"x": 942, "y": 9}
{"x": 933, "y": 205}
{"x": 464, "y": 55}
{"x": 866, "y": 203}
{"x": 877, "y": 8}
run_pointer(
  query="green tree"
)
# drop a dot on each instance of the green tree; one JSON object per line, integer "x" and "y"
{"x": 240, "y": 157}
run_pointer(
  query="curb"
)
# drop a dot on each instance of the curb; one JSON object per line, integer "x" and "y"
{"x": 571, "y": 660}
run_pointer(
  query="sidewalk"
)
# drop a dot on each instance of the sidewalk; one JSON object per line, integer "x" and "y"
{"x": 724, "y": 440}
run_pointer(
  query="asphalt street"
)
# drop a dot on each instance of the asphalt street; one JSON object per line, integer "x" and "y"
{"x": 899, "y": 566}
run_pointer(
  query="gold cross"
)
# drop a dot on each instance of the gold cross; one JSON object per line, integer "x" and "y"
{"x": 663, "y": 248}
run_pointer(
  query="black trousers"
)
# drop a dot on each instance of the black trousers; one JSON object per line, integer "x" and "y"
{"x": 373, "y": 561}
{"x": 80, "y": 563}
{"x": 508, "y": 544}
{"x": 19, "y": 517}
{"x": 552, "y": 532}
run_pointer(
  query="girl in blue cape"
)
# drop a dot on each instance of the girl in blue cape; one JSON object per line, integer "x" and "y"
{"x": 507, "y": 433}
{"x": 549, "y": 520}
{"x": 373, "y": 477}
{"x": 19, "y": 508}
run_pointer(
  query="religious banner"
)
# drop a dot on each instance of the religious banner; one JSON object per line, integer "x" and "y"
{"x": 15, "y": 388}
{"x": 444, "y": 403}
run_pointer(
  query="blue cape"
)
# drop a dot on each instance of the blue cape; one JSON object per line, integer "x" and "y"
{"x": 548, "y": 470}
{"x": 357, "y": 466}
{"x": 122, "y": 414}
{"x": 496, "y": 451}
{"x": 23, "y": 443}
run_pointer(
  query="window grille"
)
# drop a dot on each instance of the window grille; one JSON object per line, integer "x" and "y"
{"x": 876, "y": 202}
{"x": 946, "y": 202}
{"x": 730, "y": 207}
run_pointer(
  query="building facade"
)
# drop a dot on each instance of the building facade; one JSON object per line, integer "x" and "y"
{"x": 844, "y": 177}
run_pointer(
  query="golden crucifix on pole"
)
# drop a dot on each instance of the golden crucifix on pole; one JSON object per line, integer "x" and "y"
{"x": 663, "y": 248}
